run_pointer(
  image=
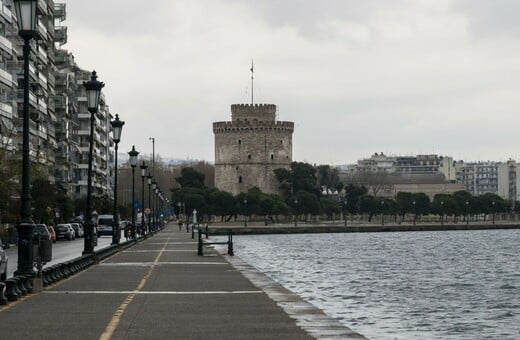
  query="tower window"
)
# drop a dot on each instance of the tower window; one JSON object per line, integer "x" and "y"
{"x": 272, "y": 157}
{"x": 249, "y": 157}
{"x": 239, "y": 179}
{"x": 239, "y": 141}
{"x": 281, "y": 141}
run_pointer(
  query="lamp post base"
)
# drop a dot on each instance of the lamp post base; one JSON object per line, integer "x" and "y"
{"x": 25, "y": 249}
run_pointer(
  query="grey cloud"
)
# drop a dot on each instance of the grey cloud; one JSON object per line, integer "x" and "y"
{"x": 487, "y": 19}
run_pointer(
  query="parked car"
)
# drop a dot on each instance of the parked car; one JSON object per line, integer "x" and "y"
{"x": 3, "y": 263}
{"x": 52, "y": 232}
{"x": 45, "y": 245}
{"x": 42, "y": 231}
{"x": 64, "y": 231}
{"x": 78, "y": 229}
{"x": 104, "y": 225}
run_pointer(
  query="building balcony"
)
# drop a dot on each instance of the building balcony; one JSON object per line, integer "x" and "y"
{"x": 42, "y": 106}
{"x": 42, "y": 31}
{"x": 6, "y": 110}
{"x": 42, "y": 55}
{"x": 60, "y": 12}
{"x": 60, "y": 34}
{"x": 7, "y": 79}
{"x": 6, "y": 46}
{"x": 6, "y": 14}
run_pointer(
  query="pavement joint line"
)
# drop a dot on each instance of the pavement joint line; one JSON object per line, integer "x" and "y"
{"x": 145, "y": 264}
{"x": 144, "y": 292}
{"x": 28, "y": 296}
{"x": 116, "y": 317}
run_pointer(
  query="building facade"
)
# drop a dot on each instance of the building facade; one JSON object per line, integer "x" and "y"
{"x": 250, "y": 147}
{"x": 57, "y": 104}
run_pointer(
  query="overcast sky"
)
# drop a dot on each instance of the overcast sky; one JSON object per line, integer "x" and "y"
{"x": 401, "y": 77}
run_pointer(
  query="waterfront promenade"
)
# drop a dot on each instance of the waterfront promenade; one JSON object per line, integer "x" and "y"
{"x": 160, "y": 289}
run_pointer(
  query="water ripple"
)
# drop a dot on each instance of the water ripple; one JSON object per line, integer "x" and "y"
{"x": 414, "y": 285}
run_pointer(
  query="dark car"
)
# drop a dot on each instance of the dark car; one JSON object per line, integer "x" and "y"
{"x": 42, "y": 231}
{"x": 3, "y": 263}
{"x": 64, "y": 231}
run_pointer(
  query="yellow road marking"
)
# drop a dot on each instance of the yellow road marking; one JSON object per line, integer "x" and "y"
{"x": 116, "y": 317}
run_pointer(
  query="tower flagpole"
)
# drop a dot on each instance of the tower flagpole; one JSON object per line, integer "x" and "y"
{"x": 252, "y": 101}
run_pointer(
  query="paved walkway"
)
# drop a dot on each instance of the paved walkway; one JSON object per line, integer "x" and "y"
{"x": 161, "y": 289}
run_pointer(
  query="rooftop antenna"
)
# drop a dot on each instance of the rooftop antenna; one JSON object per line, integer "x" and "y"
{"x": 252, "y": 78}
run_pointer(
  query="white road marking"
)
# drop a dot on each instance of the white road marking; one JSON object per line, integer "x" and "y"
{"x": 140, "y": 292}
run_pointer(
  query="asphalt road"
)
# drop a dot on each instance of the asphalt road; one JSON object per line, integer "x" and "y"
{"x": 62, "y": 250}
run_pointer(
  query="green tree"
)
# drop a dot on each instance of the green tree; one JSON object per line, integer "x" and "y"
{"x": 301, "y": 177}
{"x": 330, "y": 207}
{"x": 222, "y": 203}
{"x": 191, "y": 178}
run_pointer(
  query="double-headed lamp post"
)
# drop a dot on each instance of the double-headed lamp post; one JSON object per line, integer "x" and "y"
{"x": 143, "y": 175}
{"x": 154, "y": 202}
{"x": 93, "y": 87}
{"x": 149, "y": 178}
{"x": 27, "y": 21}
{"x": 133, "y": 163}
{"x": 117, "y": 128}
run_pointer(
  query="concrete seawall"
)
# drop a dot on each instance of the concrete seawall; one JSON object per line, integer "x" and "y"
{"x": 361, "y": 228}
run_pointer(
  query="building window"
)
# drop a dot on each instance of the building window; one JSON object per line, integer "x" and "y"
{"x": 281, "y": 141}
{"x": 239, "y": 179}
{"x": 249, "y": 157}
{"x": 272, "y": 157}
{"x": 239, "y": 141}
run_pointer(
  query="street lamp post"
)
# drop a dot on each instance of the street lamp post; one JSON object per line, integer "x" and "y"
{"x": 382, "y": 213}
{"x": 442, "y": 212}
{"x": 245, "y": 212}
{"x": 26, "y": 14}
{"x": 93, "y": 87}
{"x": 149, "y": 178}
{"x": 414, "y": 213}
{"x": 154, "y": 202}
{"x": 493, "y": 211}
{"x": 467, "y": 213}
{"x": 133, "y": 163}
{"x": 345, "y": 211}
{"x": 143, "y": 175}
{"x": 117, "y": 128}
{"x": 295, "y": 212}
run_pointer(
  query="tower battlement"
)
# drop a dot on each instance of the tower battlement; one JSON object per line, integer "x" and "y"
{"x": 263, "y": 112}
{"x": 243, "y": 126}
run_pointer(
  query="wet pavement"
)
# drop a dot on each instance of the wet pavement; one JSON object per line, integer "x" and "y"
{"x": 161, "y": 289}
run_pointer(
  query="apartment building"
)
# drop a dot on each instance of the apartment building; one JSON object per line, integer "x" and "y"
{"x": 59, "y": 120}
{"x": 412, "y": 165}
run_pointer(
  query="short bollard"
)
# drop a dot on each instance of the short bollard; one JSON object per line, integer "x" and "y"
{"x": 230, "y": 243}
{"x": 192, "y": 232}
{"x": 199, "y": 246}
{"x": 20, "y": 285}
{"x": 10, "y": 291}
{"x": 3, "y": 299}
{"x": 207, "y": 231}
{"x": 27, "y": 283}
